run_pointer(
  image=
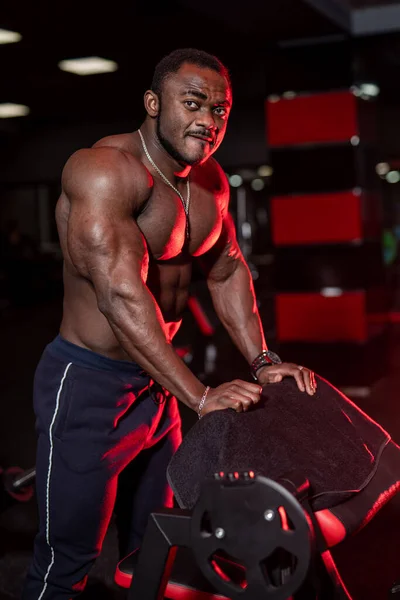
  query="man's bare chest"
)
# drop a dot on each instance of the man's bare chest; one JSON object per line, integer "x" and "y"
{"x": 163, "y": 222}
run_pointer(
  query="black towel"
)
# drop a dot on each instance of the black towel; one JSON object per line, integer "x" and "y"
{"x": 324, "y": 437}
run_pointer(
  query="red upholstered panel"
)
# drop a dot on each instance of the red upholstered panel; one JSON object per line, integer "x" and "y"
{"x": 332, "y": 528}
{"x": 316, "y": 218}
{"x": 174, "y": 591}
{"x": 313, "y": 317}
{"x": 178, "y": 592}
{"x": 329, "y": 117}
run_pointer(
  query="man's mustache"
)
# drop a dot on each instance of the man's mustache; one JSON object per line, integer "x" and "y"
{"x": 203, "y": 133}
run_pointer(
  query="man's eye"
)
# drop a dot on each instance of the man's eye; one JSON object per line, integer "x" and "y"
{"x": 220, "y": 111}
{"x": 191, "y": 104}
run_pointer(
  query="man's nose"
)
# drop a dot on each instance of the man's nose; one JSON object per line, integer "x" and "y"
{"x": 206, "y": 120}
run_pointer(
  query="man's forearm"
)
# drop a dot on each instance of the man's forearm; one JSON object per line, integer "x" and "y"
{"x": 235, "y": 303}
{"x": 138, "y": 325}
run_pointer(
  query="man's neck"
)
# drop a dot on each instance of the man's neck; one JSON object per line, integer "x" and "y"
{"x": 170, "y": 167}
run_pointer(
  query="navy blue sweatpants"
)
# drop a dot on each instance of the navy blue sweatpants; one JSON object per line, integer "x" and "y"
{"x": 96, "y": 419}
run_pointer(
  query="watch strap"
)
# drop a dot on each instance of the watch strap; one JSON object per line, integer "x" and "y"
{"x": 263, "y": 360}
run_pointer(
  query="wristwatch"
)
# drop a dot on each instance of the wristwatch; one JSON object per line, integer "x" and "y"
{"x": 264, "y": 359}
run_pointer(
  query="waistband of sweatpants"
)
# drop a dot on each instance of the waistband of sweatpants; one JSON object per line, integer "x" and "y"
{"x": 82, "y": 357}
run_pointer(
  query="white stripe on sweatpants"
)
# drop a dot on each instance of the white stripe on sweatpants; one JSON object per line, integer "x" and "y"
{"x": 48, "y": 480}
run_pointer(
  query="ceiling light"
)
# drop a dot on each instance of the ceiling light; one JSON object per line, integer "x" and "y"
{"x": 91, "y": 65}
{"x": 382, "y": 168}
{"x": 289, "y": 95}
{"x": 331, "y": 292}
{"x": 273, "y": 98}
{"x": 393, "y": 177}
{"x": 235, "y": 180}
{"x": 370, "y": 89}
{"x": 257, "y": 185}
{"x": 355, "y": 140}
{"x": 265, "y": 171}
{"x": 366, "y": 90}
{"x": 9, "y": 110}
{"x": 9, "y": 37}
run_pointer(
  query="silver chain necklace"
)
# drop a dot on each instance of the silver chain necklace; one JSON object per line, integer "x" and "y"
{"x": 185, "y": 203}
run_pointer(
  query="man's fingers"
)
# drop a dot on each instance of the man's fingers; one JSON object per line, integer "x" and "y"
{"x": 241, "y": 406}
{"x": 237, "y": 394}
{"x": 255, "y": 388}
{"x": 305, "y": 378}
{"x": 244, "y": 401}
{"x": 245, "y": 393}
{"x": 298, "y": 375}
{"x": 308, "y": 381}
{"x": 235, "y": 397}
{"x": 314, "y": 381}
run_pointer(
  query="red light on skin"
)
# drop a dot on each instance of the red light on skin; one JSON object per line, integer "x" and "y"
{"x": 200, "y": 316}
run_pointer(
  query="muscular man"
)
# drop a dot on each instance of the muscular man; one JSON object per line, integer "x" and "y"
{"x": 135, "y": 211}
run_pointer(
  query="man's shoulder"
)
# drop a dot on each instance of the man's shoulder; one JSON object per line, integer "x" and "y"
{"x": 125, "y": 142}
{"x": 111, "y": 152}
{"x": 106, "y": 165}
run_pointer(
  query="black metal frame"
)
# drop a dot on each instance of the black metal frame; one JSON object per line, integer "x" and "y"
{"x": 166, "y": 530}
{"x": 169, "y": 529}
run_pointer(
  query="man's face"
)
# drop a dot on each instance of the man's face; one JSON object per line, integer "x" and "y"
{"x": 194, "y": 108}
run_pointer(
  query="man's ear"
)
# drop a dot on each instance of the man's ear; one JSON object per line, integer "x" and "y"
{"x": 151, "y": 103}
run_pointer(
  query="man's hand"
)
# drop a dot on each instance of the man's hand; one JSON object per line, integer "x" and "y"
{"x": 237, "y": 394}
{"x": 275, "y": 373}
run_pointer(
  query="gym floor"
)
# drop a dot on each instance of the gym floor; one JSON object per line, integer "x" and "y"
{"x": 368, "y": 562}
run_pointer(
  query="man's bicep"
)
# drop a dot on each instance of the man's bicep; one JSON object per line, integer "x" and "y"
{"x": 103, "y": 237}
{"x": 104, "y": 246}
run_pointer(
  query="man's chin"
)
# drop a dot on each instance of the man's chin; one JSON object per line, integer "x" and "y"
{"x": 198, "y": 152}
{"x": 195, "y": 162}
{"x": 198, "y": 158}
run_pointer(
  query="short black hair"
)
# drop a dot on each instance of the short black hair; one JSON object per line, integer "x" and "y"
{"x": 173, "y": 62}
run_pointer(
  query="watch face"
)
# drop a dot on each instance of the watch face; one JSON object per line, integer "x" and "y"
{"x": 274, "y": 358}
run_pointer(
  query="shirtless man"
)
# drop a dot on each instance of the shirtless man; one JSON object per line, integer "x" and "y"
{"x": 135, "y": 211}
